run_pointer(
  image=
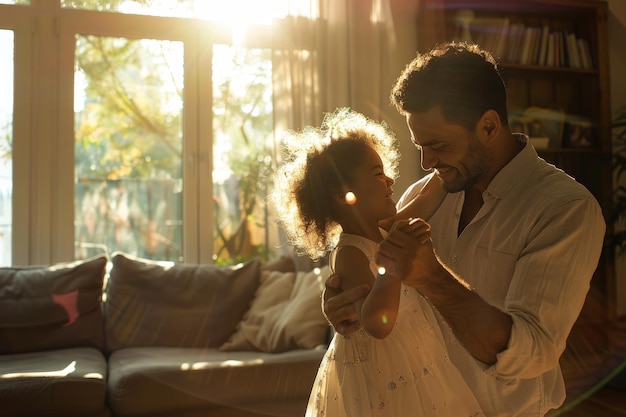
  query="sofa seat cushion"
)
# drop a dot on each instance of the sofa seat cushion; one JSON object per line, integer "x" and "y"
{"x": 64, "y": 382}
{"x": 152, "y": 381}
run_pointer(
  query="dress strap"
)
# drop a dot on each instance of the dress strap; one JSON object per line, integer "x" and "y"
{"x": 367, "y": 246}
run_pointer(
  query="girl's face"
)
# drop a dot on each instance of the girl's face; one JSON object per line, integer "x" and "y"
{"x": 372, "y": 189}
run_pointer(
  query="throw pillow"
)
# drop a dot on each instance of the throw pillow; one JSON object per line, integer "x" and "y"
{"x": 283, "y": 263}
{"x": 52, "y": 307}
{"x": 152, "y": 303}
{"x": 285, "y": 314}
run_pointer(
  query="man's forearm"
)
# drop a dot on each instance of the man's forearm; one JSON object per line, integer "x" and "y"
{"x": 481, "y": 328}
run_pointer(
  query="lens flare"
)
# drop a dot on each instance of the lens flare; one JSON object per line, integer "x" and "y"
{"x": 350, "y": 197}
{"x": 381, "y": 270}
{"x": 384, "y": 319}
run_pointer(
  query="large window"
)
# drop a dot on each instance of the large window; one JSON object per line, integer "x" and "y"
{"x": 128, "y": 152}
{"x": 165, "y": 145}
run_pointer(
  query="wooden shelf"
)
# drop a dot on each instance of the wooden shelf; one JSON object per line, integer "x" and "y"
{"x": 508, "y": 66}
{"x": 579, "y": 93}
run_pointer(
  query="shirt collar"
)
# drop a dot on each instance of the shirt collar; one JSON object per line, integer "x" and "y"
{"x": 517, "y": 170}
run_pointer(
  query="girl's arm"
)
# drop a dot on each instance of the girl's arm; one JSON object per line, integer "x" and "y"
{"x": 422, "y": 206}
{"x": 377, "y": 312}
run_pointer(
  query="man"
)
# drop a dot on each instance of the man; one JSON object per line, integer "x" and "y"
{"x": 514, "y": 244}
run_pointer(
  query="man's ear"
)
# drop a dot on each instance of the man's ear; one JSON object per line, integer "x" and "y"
{"x": 488, "y": 125}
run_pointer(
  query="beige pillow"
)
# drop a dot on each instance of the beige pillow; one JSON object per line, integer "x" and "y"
{"x": 285, "y": 314}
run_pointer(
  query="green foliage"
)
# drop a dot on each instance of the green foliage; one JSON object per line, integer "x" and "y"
{"x": 242, "y": 115}
{"x": 124, "y": 122}
{"x": 102, "y": 5}
{"x": 6, "y": 141}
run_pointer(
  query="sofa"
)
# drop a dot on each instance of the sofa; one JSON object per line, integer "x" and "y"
{"x": 116, "y": 336}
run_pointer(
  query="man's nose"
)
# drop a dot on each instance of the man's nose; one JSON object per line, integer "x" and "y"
{"x": 428, "y": 158}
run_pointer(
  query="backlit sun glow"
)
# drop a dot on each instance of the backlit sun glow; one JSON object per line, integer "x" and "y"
{"x": 235, "y": 13}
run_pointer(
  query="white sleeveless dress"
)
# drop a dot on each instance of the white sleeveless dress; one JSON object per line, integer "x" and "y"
{"x": 407, "y": 374}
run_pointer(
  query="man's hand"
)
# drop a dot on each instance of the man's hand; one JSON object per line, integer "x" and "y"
{"x": 338, "y": 305}
{"x": 407, "y": 252}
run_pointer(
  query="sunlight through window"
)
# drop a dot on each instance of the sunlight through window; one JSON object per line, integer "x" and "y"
{"x": 43, "y": 374}
{"x": 6, "y": 145}
{"x": 233, "y": 12}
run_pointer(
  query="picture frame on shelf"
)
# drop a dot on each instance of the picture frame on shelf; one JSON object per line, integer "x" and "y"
{"x": 522, "y": 124}
{"x": 544, "y": 126}
{"x": 579, "y": 132}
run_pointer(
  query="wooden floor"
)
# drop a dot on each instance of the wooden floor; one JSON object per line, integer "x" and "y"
{"x": 594, "y": 367}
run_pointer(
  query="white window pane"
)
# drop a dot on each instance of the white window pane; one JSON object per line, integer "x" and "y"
{"x": 128, "y": 147}
{"x": 243, "y": 153}
{"x": 23, "y": 2}
{"x": 6, "y": 144}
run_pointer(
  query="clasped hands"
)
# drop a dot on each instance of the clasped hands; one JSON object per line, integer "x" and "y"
{"x": 406, "y": 254}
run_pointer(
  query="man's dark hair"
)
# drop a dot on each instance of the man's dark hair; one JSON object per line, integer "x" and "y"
{"x": 461, "y": 78}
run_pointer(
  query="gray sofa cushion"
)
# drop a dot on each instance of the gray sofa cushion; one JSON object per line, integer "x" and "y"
{"x": 52, "y": 307}
{"x": 65, "y": 382}
{"x": 152, "y": 381}
{"x": 151, "y": 303}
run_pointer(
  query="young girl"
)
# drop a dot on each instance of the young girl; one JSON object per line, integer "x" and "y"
{"x": 333, "y": 194}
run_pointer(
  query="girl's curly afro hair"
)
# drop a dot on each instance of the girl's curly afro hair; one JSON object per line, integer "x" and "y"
{"x": 318, "y": 163}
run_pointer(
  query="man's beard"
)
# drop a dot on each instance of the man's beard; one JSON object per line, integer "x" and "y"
{"x": 474, "y": 166}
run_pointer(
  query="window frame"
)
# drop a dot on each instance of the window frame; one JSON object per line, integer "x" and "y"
{"x": 19, "y": 20}
{"x": 43, "y": 169}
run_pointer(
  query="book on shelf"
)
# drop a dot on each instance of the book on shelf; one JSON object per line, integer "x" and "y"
{"x": 550, "y": 52}
{"x": 572, "y": 51}
{"x": 585, "y": 54}
{"x": 543, "y": 45}
{"x": 561, "y": 60}
{"x": 516, "y": 37}
{"x": 525, "y": 46}
{"x": 501, "y": 38}
{"x": 486, "y": 31}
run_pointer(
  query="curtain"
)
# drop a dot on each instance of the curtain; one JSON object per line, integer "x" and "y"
{"x": 368, "y": 44}
{"x": 348, "y": 55}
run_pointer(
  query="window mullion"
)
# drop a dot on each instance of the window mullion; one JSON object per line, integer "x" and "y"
{"x": 205, "y": 206}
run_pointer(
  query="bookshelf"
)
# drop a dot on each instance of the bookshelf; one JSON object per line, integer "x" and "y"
{"x": 553, "y": 55}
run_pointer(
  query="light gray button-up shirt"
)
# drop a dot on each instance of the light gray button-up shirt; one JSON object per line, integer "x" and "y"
{"x": 530, "y": 251}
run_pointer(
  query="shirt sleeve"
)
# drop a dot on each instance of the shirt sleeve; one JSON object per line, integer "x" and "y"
{"x": 551, "y": 280}
{"x": 412, "y": 192}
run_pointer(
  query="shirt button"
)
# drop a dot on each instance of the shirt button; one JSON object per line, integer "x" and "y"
{"x": 453, "y": 260}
